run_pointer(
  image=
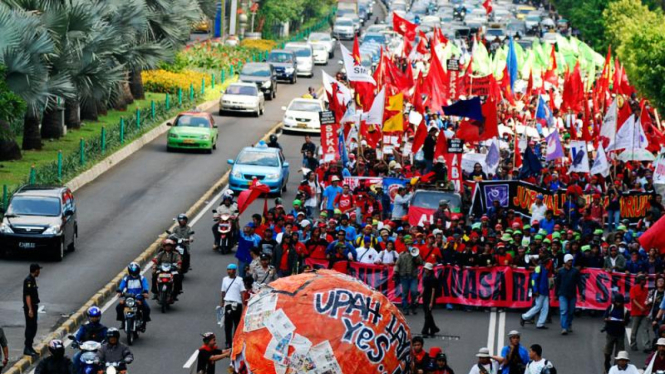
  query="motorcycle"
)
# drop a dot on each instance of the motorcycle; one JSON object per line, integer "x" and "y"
{"x": 88, "y": 362}
{"x": 133, "y": 316}
{"x": 182, "y": 247}
{"x": 165, "y": 284}
{"x": 225, "y": 230}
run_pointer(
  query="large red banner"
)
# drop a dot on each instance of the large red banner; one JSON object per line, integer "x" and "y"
{"x": 499, "y": 286}
{"x": 329, "y": 142}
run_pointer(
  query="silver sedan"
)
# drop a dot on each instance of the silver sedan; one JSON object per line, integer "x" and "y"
{"x": 242, "y": 97}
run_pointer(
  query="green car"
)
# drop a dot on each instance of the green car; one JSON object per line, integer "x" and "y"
{"x": 192, "y": 130}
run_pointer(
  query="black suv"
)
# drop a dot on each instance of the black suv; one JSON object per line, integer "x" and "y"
{"x": 40, "y": 218}
{"x": 285, "y": 64}
{"x": 263, "y": 74}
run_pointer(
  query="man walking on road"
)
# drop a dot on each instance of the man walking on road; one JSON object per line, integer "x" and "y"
{"x": 430, "y": 285}
{"x": 30, "y": 308}
{"x": 540, "y": 287}
{"x": 233, "y": 292}
{"x": 567, "y": 280}
{"x": 616, "y": 319}
{"x": 538, "y": 364}
{"x": 514, "y": 356}
{"x": 639, "y": 314}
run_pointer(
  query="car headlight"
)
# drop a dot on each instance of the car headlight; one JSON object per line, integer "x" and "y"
{"x": 265, "y": 84}
{"x": 52, "y": 230}
{"x": 226, "y": 101}
{"x": 173, "y": 135}
{"x": 236, "y": 174}
{"x": 5, "y": 228}
{"x": 274, "y": 176}
{"x": 289, "y": 70}
{"x": 205, "y": 137}
{"x": 290, "y": 118}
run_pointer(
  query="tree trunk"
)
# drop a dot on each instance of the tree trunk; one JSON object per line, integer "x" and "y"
{"x": 9, "y": 149}
{"x": 125, "y": 96}
{"x": 32, "y": 138}
{"x": 72, "y": 115}
{"x": 89, "y": 111}
{"x": 52, "y": 124}
{"x": 136, "y": 84}
{"x": 102, "y": 109}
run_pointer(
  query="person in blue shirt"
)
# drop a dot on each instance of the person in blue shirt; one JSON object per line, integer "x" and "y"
{"x": 548, "y": 222}
{"x": 246, "y": 240}
{"x": 350, "y": 230}
{"x": 93, "y": 330}
{"x": 137, "y": 285}
{"x": 514, "y": 355}
{"x": 555, "y": 184}
{"x": 348, "y": 246}
{"x": 540, "y": 287}
{"x": 330, "y": 193}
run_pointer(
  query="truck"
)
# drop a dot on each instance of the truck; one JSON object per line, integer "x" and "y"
{"x": 343, "y": 6}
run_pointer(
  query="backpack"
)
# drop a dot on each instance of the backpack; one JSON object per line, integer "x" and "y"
{"x": 548, "y": 369}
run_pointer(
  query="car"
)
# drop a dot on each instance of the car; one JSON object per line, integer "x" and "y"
{"x": 523, "y": 10}
{"x": 192, "y": 130}
{"x": 266, "y": 164}
{"x": 285, "y": 64}
{"x": 550, "y": 38}
{"x": 302, "y": 115}
{"x": 320, "y": 54}
{"x": 532, "y": 22}
{"x": 374, "y": 37}
{"x": 343, "y": 29}
{"x": 325, "y": 39}
{"x": 304, "y": 58}
{"x": 40, "y": 219}
{"x": 516, "y": 28}
{"x": 425, "y": 203}
{"x": 375, "y": 28}
{"x": 263, "y": 75}
{"x": 495, "y": 32}
{"x": 242, "y": 97}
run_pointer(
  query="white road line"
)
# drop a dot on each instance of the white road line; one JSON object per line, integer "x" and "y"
{"x": 210, "y": 205}
{"x": 491, "y": 334}
{"x": 501, "y": 333}
{"x": 191, "y": 360}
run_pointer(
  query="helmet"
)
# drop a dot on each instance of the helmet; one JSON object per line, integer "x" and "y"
{"x": 273, "y": 138}
{"x": 94, "y": 311}
{"x": 56, "y": 348}
{"x": 232, "y": 267}
{"x": 183, "y": 217}
{"x": 168, "y": 242}
{"x": 134, "y": 269}
{"x": 228, "y": 193}
{"x": 112, "y": 332}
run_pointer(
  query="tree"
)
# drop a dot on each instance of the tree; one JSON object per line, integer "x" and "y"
{"x": 11, "y": 108}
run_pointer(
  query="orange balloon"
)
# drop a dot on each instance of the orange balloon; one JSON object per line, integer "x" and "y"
{"x": 319, "y": 312}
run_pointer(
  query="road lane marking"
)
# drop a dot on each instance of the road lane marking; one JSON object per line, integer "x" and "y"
{"x": 191, "y": 360}
{"x": 491, "y": 334}
{"x": 502, "y": 331}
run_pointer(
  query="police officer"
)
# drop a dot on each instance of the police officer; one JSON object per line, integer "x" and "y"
{"x": 136, "y": 285}
{"x": 30, "y": 306}
{"x": 184, "y": 231}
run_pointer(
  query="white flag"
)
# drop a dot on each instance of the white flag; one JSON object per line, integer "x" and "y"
{"x": 579, "y": 157}
{"x": 345, "y": 94}
{"x": 630, "y": 136}
{"x": 355, "y": 71}
{"x": 375, "y": 114}
{"x": 600, "y": 164}
{"x": 609, "y": 127}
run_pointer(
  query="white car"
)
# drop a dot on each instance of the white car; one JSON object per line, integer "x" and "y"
{"x": 343, "y": 29}
{"x": 304, "y": 57}
{"x": 302, "y": 115}
{"x": 242, "y": 97}
{"x": 320, "y": 54}
{"x": 325, "y": 39}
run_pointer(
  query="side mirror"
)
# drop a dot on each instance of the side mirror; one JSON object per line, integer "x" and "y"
{"x": 286, "y": 164}
{"x": 71, "y": 337}
{"x": 69, "y": 212}
{"x": 215, "y": 126}
{"x": 169, "y": 124}
{"x": 214, "y": 210}
{"x": 229, "y": 161}
{"x": 284, "y": 108}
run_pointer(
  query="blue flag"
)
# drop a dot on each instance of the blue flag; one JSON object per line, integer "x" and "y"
{"x": 471, "y": 109}
{"x": 544, "y": 113}
{"x": 530, "y": 164}
{"x": 554, "y": 148}
{"x": 511, "y": 63}
{"x": 342, "y": 148}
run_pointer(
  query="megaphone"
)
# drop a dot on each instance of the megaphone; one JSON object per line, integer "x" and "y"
{"x": 414, "y": 251}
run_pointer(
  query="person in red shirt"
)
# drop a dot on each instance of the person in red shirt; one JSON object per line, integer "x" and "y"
{"x": 502, "y": 258}
{"x": 345, "y": 201}
{"x": 639, "y": 313}
{"x": 429, "y": 252}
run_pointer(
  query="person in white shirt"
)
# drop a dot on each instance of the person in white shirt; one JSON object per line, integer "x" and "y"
{"x": 366, "y": 254}
{"x": 623, "y": 365}
{"x": 537, "y": 363}
{"x": 538, "y": 209}
{"x": 487, "y": 362}
{"x": 233, "y": 292}
{"x": 389, "y": 255}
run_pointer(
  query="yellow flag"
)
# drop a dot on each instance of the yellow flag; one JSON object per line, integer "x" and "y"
{"x": 394, "y": 123}
{"x": 396, "y": 103}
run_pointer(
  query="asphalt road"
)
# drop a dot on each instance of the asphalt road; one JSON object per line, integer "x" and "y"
{"x": 123, "y": 211}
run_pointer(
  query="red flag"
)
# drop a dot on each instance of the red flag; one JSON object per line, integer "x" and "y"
{"x": 505, "y": 86}
{"x": 603, "y": 83}
{"x": 437, "y": 81}
{"x": 518, "y": 155}
{"x": 550, "y": 74}
{"x": 245, "y": 198}
{"x": 422, "y": 44}
{"x": 441, "y": 148}
{"x": 419, "y": 138}
{"x": 404, "y": 27}
{"x": 616, "y": 85}
{"x": 624, "y": 112}
{"x": 586, "y": 135}
{"x": 417, "y": 100}
{"x": 487, "y": 4}
{"x": 653, "y": 237}
{"x": 473, "y": 131}
{"x": 529, "y": 88}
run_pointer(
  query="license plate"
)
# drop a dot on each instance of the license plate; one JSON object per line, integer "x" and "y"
{"x": 26, "y": 245}
{"x": 188, "y": 141}
{"x": 301, "y": 125}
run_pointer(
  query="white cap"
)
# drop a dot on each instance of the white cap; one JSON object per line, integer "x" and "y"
{"x": 483, "y": 352}
{"x": 568, "y": 257}
{"x": 622, "y": 355}
{"x": 305, "y": 223}
{"x": 661, "y": 341}
{"x": 429, "y": 266}
{"x": 334, "y": 179}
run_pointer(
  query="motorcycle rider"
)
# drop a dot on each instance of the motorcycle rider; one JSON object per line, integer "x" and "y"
{"x": 136, "y": 285}
{"x": 57, "y": 362}
{"x": 230, "y": 207}
{"x": 184, "y": 231}
{"x": 114, "y": 351}
{"x": 92, "y": 330}
{"x": 167, "y": 255}
{"x": 272, "y": 142}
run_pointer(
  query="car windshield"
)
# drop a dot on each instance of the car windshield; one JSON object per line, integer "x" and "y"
{"x": 34, "y": 206}
{"x": 258, "y": 158}
{"x": 374, "y": 38}
{"x": 192, "y": 121}
{"x": 533, "y": 18}
{"x": 256, "y": 70}
{"x": 280, "y": 57}
{"x": 319, "y": 47}
{"x": 344, "y": 22}
{"x": 300, "y": 51}
{"x": 430, "y": 200}
{"x": 515, "y": 26}
{"x": 305, "y": 106}
{"x": 241, "y": 90}
{"x": 319, "y": 38}
{"x": 495, "y": 32}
